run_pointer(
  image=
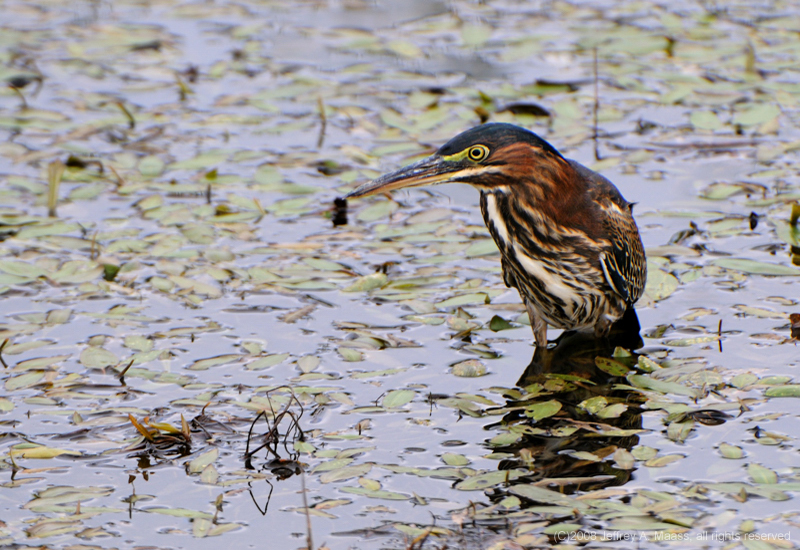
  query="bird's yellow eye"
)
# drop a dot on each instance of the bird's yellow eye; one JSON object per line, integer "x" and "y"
{"x": 477, "y": 153}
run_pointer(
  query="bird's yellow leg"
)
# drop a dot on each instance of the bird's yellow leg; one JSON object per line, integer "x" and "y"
{"x": 538, "y": 326}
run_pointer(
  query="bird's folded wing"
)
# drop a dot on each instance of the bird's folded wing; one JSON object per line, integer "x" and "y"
{"x": 624, "y": 265}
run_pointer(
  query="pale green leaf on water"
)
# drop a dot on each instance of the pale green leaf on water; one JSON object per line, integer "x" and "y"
{"x": 16, "y": 349}
{"x": 744, "y": 380}
{"x": 721, "y": 190}
{"x": 661, "y": 461}
{"x": 205, "y": 364}
{"x": 371, "y": 493}
{"x": 545, "y": 409}
{"x": 484, "y": 247}
{"x": 758, "y": 114}
{"x": 398, "y": 398}
{"x": 760, "y": 474}
{"x": 24, "y": 380}
{"x": 787, "y": 232}
{"x": 46, "y": 229}
{"x": 647, "y": 383}
{"x": 730, "y": 451}
{"x": 787, "y": 390}
{"x": 197, "y": 465}
{"x": 611, "y": 366}
{"x": 198, "y": 287}
{"x": 685, "y": 342}
{"x": 350, "y": 354}
{"x": 660, "y": 284}
{"x": 178, "y": 512}
{"x": 377, "y": 210}
{"x": 40, "y": 363}
{"x": 455, "y": 459}
{"x": 308, "y": 363}
{"x": 323, "y": 264}
{"x": 485, "y": 480}
{"x": 6, "y": 405}
{"x": 87, "y": 192}
{"x": 624, "y": 459}
{"x": 151, "y": 166}
{"x": 348, "y": 472}
{"x": 78, "y": 271}
{"x": 614, "y": 410}
{"x": 593, "y": 405}
{"x": 21, "y": 269}
{"x": 705, "y": 120}
{"x": 473, "y": 35}
{"x": 138, "y": 342}
{"x": 470, "y": 368}
{"x": 547, "y": 496}
{"x": 98, "y": 358}
{"x": 755, "y": 267}
{"x": 497, "y": 323}
{"x": 206, "y": 160}
{"x": 405, "y": 48}
{"x": 647, "y": 365}
{"x": 464, "y": 300}
{"x": 368, "y": 282}
{"x": 332, "y": 465}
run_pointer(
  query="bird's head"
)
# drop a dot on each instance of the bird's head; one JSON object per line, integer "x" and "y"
{"x": 487, "y": 156}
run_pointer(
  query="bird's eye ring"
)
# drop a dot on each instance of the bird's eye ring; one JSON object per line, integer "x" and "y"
{"x": 477, "y": 153}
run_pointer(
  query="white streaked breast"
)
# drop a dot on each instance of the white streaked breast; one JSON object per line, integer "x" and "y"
{"x": 553, "y": 283}
{"x": 497, "y": 220}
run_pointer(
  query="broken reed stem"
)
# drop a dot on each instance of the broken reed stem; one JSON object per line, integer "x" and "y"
{"x": 309, "y": 541}
{"x": 3, "y": 345}
{"x": 55, "y": 171}
{"x": 21, "y": 96}
{"x": 323, "y": 122}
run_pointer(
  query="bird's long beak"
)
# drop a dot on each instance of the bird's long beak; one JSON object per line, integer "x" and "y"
{"x": 427, "y": 171}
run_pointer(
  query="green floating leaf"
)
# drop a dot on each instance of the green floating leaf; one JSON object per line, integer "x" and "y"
{"x": 179, "y": 512}
{"x": 98, "y": 358}
{"x": 730, "y": 451}
{"x": 24, "y": 380}
{"x": 368, "y": 282}
{"x": 470, "y": 368}
{"x": 350, "y": 354}
{"x": 205, "y": 364}
{"x": 757, "y": 114}
{"x": 484, "y": 247}
{"x": 756, "y": 268}
{"x": 398, "y": 398}
{"x": 542, "y": 410}
{"x": 546, "y": 496}
{"x": 497, "y": 324}
{"x": 373, "y": 493}
{"x": 661, "y": 461}
{"x": 760, "y": 474}
{"x": 488, "y": 479}
{"x": 610, "y": 366}
{"x": 21, "y": 269}
{"x": 454, "y": 459}
{"x": 377, "y": 210}
{"x": 347, "y": 472}
{"x": 198, "y": 464}
{"x": 787, "y": 390}
{"x": 705, "y": 120}
{"x": 660, "y": 284}
{"x": 464, "y": 300}
{"x": 647, "y": 383}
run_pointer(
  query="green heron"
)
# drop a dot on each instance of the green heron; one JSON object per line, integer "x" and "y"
{"x": 567, "y": 238}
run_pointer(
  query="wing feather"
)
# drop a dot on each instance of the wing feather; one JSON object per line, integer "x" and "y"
{"x": 624, "y": 265}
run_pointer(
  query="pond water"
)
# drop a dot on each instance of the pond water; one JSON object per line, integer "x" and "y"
{"x": 190, "y": 277}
